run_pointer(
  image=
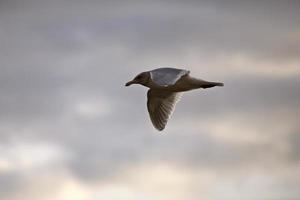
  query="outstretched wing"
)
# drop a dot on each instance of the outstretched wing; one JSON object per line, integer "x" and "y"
{"x": 167, "y": 76}
{"x": 160, "y": 106}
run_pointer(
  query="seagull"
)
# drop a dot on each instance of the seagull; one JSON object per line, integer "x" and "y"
{"x": 166, "y": 87}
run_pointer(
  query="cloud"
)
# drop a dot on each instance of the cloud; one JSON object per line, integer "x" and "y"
{"x": 68, "y": 125}
{"x": 29, "y": 156}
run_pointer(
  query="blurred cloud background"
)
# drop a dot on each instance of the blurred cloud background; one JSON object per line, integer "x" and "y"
{"x": 70, "y": 130}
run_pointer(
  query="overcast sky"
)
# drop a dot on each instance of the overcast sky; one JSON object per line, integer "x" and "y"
{"x": 70, "y": 130}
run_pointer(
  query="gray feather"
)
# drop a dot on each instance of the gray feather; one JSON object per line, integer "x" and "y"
{"x": 167, "y": 76}
{"x": 160, "y": 106}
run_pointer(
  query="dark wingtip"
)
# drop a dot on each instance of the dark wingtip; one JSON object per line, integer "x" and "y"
{"x": 159, "y": 128}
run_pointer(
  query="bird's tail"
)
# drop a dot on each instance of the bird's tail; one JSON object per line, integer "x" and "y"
{"x": 212, "y": 84}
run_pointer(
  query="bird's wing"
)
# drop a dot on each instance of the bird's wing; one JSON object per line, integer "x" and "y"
{"x": 167, "y": 76}
{"x": 160, "y": 106}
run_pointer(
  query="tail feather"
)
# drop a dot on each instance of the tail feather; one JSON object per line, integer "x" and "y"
{"x": 212, "y": 84}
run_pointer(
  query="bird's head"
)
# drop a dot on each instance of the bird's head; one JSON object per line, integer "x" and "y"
{"x": 142, "y": 78}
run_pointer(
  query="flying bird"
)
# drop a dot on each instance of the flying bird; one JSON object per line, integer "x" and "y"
{"x": 166, "y": 87}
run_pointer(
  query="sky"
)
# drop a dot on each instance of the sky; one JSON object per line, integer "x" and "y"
{"x": 70, "y": 130}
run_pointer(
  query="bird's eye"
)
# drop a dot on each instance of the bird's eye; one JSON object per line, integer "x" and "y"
{"x": 139, "y": 77}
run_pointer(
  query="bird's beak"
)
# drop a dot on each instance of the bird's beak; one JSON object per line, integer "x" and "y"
{"x": 130, "y": 82}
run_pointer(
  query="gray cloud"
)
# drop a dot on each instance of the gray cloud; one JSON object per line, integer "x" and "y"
{"x": 64, "y": 65}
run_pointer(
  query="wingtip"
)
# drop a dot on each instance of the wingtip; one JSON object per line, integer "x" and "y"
{"x": 158, "y": 128}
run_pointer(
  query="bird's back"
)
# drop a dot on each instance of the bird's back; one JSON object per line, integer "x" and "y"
{"x": 167, "y": 76}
